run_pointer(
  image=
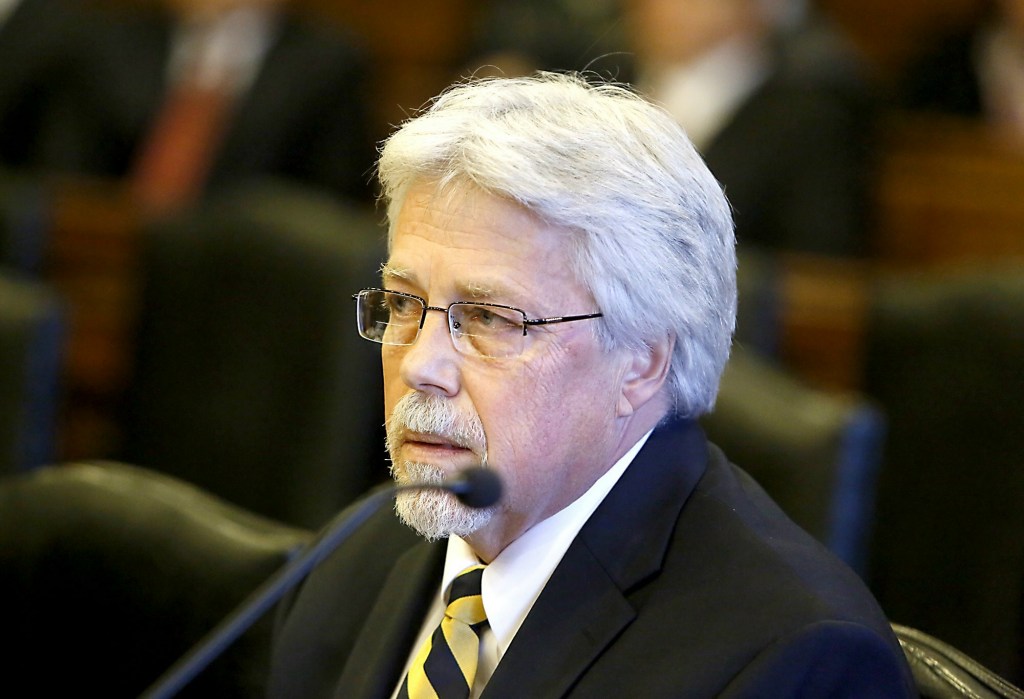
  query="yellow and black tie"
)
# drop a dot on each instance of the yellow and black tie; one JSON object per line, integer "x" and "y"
{"x": 445, "y": 666}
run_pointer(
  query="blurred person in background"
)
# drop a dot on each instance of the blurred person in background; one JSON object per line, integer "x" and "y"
{"x": 776, "y": 104}
{"x": 183, "y": 96}
{"x": 769, "y": 92}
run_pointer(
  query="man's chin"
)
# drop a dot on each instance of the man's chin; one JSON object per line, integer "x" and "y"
{"x": 414, "y": 473}
{"x": 436, "y": 514}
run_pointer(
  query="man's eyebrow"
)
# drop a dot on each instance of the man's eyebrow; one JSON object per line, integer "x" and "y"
{"x": 490, "y": 292}
{"x": 476, "y": 290}
{"x": 391, "y": 272}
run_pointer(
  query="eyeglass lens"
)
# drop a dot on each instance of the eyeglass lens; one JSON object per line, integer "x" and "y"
{"x": 392, "y": 318}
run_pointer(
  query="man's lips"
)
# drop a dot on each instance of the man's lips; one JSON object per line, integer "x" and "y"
{"x": 430, "y": 445}
{"x": 431, "y": 441}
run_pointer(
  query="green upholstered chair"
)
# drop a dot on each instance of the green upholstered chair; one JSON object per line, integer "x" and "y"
{"x": 32, "y": 331}
{"x": 109, "y": 573}
{"x": 250, "y": 378}
{"x": 945, "y": 359}
{"x": 816, "y": 453}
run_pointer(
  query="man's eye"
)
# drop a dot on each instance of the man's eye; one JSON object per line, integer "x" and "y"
{"x": 400, "y": 305}
{"x": 485, "y": 318}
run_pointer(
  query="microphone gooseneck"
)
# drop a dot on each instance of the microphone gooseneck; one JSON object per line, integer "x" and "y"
{"x": 476, "y": 487}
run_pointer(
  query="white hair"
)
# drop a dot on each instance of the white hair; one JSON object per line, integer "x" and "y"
{"x": 653, "y": 233}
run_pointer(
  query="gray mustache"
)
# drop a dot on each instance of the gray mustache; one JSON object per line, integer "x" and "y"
{"x": 430, "y": 414}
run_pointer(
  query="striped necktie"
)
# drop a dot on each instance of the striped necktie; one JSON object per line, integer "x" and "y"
{"x": 445, "y": 665}
{"x": 175, "y": 158}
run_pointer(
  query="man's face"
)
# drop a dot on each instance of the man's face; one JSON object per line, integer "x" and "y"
{"x": 547, "y": 420}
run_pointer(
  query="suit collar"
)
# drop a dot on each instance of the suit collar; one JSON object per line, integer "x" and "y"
{"x": 584, "y": 605}
{"x": 629, "y": 533}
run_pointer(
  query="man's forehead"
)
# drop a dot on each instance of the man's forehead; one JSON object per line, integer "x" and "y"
{"x": 464, "y": 216}
{"x": 471, "y": 245}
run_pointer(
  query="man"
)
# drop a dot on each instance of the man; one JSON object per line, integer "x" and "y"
{"x": 557, "y": 305}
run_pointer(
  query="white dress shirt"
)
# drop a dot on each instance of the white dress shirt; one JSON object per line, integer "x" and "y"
{"x": 514, "y": 579}
{"x": 703, "y": 94}
{"x": 226, "y": 52}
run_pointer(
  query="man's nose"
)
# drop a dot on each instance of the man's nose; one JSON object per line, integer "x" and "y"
{"x": 431, "y": 364}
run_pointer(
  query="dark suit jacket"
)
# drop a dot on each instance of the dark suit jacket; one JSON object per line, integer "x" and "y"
{"x": 686, "y": 581}
{"x": 796, "y": 157}
{"x": 34, "y": 55}
{"x": 304, "y": 117}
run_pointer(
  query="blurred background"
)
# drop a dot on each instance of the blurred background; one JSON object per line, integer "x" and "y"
{"x": 187, "y": 204}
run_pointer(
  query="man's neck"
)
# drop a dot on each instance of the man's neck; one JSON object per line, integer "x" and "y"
{"x": 491, "y": 540}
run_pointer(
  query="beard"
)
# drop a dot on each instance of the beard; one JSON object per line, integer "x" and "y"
{"x": 434, "y": 514}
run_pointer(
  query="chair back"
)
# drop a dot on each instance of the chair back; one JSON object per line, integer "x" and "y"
{"x": 250, "y": 378}
{"x": 759, "y": 276}
{"x": 945, "y": 359}
{"x": 32, "y": 332}
{"x": 110, "y": 573}
{"x": 943, "y": 672}
{"x": 816, "y": 453}
{"x": 24, "y": 221}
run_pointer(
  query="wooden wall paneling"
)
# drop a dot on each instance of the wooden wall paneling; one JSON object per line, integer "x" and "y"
{"x": 823, "y": 312}
{"x": 950, "y": 192}
{"x": 92, "y": 262}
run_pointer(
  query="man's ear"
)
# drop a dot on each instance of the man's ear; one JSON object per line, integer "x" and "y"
{"x": 645, "y": 374}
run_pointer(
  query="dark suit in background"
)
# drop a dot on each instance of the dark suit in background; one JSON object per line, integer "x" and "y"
{"x": 303, "y": 117}
{"x": 686, "y": 552}
{"x": 796, "y": 156}
{"x": 34, "y": 53}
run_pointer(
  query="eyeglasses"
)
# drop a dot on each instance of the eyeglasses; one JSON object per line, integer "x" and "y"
{"x": 477, "y": 329}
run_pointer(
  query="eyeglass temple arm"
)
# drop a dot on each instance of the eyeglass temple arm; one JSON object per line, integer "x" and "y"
{"x": 560, "y": 319}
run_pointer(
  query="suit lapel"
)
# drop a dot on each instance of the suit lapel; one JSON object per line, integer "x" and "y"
{"x": 391, "y": 627}
{"x": 585, "y": 604}
{"x": 568, "y": 627}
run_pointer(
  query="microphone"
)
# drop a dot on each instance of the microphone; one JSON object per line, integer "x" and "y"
{"x": 476, "y": 487}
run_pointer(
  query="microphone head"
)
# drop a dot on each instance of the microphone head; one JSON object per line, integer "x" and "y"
{"x": 477, "y": 487}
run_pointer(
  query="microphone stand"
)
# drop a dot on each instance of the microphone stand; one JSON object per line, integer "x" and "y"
{"x": 264, "y": 597}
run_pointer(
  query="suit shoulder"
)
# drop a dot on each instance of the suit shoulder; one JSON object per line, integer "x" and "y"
{"x": 746, "y": 563}
{"x": 834, "y": 659}
{"x": 740, "y": 526}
